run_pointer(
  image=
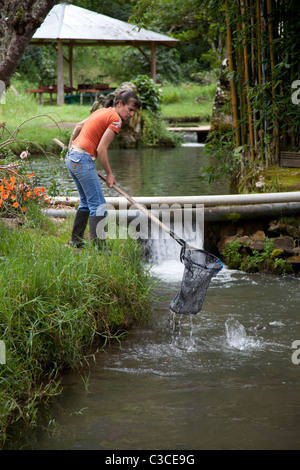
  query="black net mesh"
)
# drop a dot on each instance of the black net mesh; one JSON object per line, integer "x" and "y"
{"x": 199, "y": 267}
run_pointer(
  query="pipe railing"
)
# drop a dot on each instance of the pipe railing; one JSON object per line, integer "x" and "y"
{"x": 208, "y": 201}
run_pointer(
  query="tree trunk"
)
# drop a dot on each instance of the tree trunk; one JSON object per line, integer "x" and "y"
{"x": 18, "y": 22}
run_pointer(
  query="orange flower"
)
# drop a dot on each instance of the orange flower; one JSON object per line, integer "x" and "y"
{"x": 15, "y": 204}
{"x": 23, "y": 209}
{"x": 43, "y": 190}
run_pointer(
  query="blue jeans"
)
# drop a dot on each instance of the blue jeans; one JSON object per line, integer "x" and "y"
{"x": 83, "y": 172}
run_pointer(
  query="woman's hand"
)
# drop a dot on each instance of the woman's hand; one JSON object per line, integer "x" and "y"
{"x": 110, "y": 180}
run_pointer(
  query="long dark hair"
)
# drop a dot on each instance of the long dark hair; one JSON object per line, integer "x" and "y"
{"x": 124, "y": 96}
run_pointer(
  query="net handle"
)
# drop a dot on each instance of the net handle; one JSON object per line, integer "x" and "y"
{"x": 144, "y": 210}
{"x": 139, "y": 206}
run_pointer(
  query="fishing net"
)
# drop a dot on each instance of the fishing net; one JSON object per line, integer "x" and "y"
{"x": 199, "y": 267}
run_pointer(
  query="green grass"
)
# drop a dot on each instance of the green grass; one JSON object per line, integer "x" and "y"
{"x": 46, "y": 122}
{"x": 55, "y": 303}
{"x": 188, "y": 102}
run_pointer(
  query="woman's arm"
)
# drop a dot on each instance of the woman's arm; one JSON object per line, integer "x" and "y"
{"x": 76, "y": 132}
{"x": 102, "y": 154}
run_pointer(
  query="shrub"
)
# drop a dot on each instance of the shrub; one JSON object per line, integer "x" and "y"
{"x": 149, "y": 93}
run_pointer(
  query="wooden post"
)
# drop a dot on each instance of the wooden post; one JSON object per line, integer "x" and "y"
{"x": 153, "y": 61}
{"x": 60, "y": 73}
{"x": 71, "y": 74}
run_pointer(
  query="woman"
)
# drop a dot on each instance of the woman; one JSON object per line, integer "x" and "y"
{"x": 90, "y": 140}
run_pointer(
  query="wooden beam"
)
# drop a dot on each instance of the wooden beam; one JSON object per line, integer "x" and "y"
{"x": 60, "y": 73}
{"x": 144, "y": 54}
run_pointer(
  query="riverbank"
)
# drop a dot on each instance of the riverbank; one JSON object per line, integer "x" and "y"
{"x": 57, "y": 304}
{"x": 267, "y": 244}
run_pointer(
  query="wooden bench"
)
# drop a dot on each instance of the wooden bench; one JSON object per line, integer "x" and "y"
{"x": 290, "y": 159}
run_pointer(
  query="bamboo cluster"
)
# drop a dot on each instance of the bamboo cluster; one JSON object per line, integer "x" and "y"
{"x": 263, "y": 64}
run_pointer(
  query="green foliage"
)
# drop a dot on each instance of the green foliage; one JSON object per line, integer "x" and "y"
{"x": 232, "y": 255}
{"x": 155, "y": 134}
{"x": 149, "y": 93}
{"x": 38, "y": 65}
{"x": 195, "y": 23}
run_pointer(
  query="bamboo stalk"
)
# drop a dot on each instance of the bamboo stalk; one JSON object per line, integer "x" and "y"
{"x": 232, "y": 84}
{"x": 247, "y": 77}
{"x": 259, "y": 73}
{"x": 272, "y": 65}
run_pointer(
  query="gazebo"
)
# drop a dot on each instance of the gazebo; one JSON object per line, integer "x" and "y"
{"x": 69, "y": 25}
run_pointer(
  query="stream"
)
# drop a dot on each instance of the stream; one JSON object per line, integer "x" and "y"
{"x": 226, "y": 378}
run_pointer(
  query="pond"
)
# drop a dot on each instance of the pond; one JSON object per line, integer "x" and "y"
{"x": 226, "y": 378}
{"x": 145, "y": 172}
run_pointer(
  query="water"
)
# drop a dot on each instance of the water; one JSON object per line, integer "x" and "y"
{"x": 217, "y": 380}
{"x": 144, "y": 172}
{"x": 221, "y": 379}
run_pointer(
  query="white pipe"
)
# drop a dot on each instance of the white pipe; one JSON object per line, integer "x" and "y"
{"x": 211, "y": 214}
{"x": 208, "y": 201}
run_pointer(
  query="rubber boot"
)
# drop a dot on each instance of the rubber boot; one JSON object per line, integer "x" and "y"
{"x": 79, "y": 226}
{"x": 97, "y": 236}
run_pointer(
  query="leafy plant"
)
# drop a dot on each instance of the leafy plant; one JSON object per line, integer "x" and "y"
{"x": 149, "y": 92}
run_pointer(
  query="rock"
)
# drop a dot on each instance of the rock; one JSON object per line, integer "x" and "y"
{"x": 286, "y": 244}
{"x": 244, "y": 241}
{"x": 282, "y": 228}
{"x": 294, "y": 260}
{"x": 224, "y": 242}
{"x": 257, "y": 241}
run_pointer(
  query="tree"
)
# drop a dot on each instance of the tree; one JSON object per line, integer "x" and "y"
{"x": 18, "y": 22}
{"x": 193, "y": 22}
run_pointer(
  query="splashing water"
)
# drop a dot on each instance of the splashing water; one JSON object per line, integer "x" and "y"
{"x": 237, "y": 337}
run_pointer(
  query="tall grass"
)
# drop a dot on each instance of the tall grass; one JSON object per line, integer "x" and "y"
{"x": 54, "y": 303}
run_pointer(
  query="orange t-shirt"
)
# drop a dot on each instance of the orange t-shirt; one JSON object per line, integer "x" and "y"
{"x": 94, "y": 128}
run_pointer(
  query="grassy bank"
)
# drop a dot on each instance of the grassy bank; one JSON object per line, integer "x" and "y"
{"x": 188, "y": 102}
{"x": 55, "y": 303}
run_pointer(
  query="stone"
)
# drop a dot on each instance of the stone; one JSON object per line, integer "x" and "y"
{"x": 224, "y": 242}
{"x": 257, "y": 241}
{"x": 282, "y": 228}
{"x": 286, "y": 244}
